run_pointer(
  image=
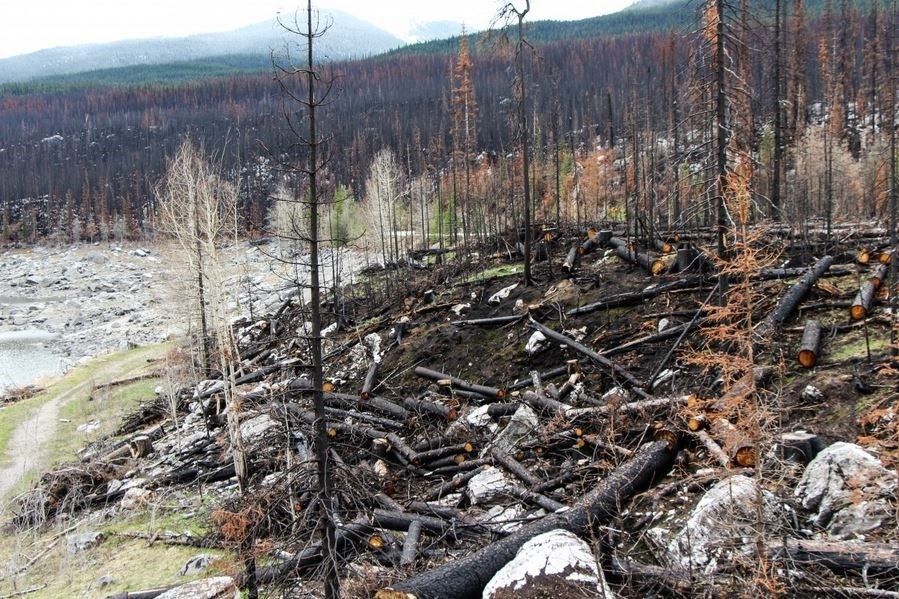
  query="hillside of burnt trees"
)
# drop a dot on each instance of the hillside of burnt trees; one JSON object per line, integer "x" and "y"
{"x": 632, "y": 102}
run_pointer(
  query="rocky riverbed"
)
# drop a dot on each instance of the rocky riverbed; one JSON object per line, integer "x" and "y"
{"x": 59, "y": 305}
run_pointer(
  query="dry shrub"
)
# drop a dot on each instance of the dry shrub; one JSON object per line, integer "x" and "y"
{"x": 237, "y": 527}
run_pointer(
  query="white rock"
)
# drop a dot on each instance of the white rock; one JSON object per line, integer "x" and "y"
{"x": 459, "y": 308}
{"x": 77, "y": 543}
{"x": 535, "y": 344}
{"x": 521, "y": 426}
{"x": 137, "y": 498}
{"x": 812, "y": 393}
{"x": 488, "y": 484}
{"x": 842, "y": 475}
{"x": 256, "y": 427}
{"x": 197, "y": 564}
{"x": 504, "y": 518}
{"x": 723, "y": 521}
{"x": 663, "y": 324}
{"x": 556, "y": 563}
{"x": 217, "y": 587}
{"x": 480, "y": 418}
{"x": 856, "y": 521}
{"x": 502, "y": 294}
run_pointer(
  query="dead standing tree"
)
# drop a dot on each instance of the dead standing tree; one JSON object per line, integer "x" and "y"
{"x": 507, "y": 13}
{"x": 312, "y": 143}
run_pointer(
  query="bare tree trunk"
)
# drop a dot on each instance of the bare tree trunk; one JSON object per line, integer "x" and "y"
{"x": 523, "y": 126}
{"x": 323, "y": 469}
{"x": 778, "y": 121}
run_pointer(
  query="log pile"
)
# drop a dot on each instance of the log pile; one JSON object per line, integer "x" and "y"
{"x": 449, "y": 459}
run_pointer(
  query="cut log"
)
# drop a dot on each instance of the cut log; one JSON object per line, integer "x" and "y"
{"x": 425, "y": 457}
{"x": 466, "y": 577}
{"x": 648, "y": 262}
{"x": 861, "y": 305}
{"x": 629, "y": 299}
{"x": 713, "y": 448}
{"x": 872, "y": 559}
{"x": 515, "y": 467}
{"x": 863, "y": 256}
{"x": 425, "y": 406}
{"x": 457, "y": 383}
{"x": 370, "y": 379}
{"x": 811, "y": 342}
{"x": 735, "y": 443}
{"x": 140, "y": 446}
{"x": 791, "y": 299}
{"x": 572, "y": 259}
{"x": 799, "y": 446}
{"x": 616, "y": 370}
{"x": 410, "y": 544}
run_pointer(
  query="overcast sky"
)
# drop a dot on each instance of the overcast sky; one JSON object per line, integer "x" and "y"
{"x": 29, "y": 25}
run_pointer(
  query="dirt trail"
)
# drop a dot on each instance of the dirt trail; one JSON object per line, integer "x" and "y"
{"x": 27, "y": 442}
{"x": 26, "y": 450}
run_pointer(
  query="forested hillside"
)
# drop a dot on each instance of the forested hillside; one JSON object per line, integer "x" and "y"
{"x": 92, "y": 153}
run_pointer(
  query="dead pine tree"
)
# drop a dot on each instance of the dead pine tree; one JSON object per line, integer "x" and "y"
{"x": 508, "y": 13}
{"x": 314, "y": 96}
{"x": 721, "y": 81}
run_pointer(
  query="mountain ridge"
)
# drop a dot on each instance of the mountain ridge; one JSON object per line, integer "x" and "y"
{"x": 349, "y": 37}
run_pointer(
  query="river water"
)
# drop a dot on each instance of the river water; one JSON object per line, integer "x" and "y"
{"x": 26, "y": 356}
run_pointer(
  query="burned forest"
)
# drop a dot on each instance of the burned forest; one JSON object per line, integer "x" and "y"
{"x": 535, "y": 332}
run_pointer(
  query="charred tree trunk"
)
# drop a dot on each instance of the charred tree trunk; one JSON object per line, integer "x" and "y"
{"x": 788, "y": 303}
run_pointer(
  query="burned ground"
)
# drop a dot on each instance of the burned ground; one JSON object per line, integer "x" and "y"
{"x": 388, "y": 476}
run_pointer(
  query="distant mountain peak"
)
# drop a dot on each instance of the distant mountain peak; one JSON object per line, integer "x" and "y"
{"x": 348, "y": 37}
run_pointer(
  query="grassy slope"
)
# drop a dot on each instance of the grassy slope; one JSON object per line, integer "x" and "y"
{"x": 125, "y": 559}
{"x": 81, "y": 408}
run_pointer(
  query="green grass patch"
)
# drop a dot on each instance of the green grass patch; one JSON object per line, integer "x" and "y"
{"x": 854, "y": 346}
{"x": 496, "y": 272}
{"x": 82, "y": 402}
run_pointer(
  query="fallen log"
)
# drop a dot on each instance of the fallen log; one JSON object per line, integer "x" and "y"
{"x": 861, "y": 305}
{"x": 638, "y": 297}
{"x": 736, "y": 444}
{"x": 410, "y": 544}
{"x": 879, "y": 275}
{"x": 544, "y": 376}
{"x": 424, "y": 406}
{"x": 872, "y": 559}
{"x": 648, "y": 262}
{"x": 811, "y": 341}
{"x": 646, "y": 575}
{"x": 466, "y": 577}
{"x": 515, "y": 467}
{"x": 347, "y": 538}
{"x": 791, "y": 299}
{"x": 572, "y": 259}
{"x": 370, "y": 378}
{"x": 493, "y": 321}
{"x": 457, "y": 383}
{"x": 615, "y": 369}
